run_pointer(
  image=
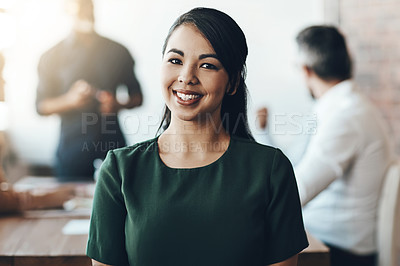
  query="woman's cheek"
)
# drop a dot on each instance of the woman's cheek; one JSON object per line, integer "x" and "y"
{"x": 167, "y": 76}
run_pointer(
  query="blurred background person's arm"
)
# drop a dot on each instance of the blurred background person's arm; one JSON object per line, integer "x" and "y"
{"x": 13, "y": 201}
{"x": 80, "y": 94}
{"x": 262, "y": 117}
{"x": 265, "y": 135}
{"x": 109, "y": 102}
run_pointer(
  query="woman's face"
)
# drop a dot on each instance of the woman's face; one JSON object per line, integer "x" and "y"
{"x": 193, "y": 80}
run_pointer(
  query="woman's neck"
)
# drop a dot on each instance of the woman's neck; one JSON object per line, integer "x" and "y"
{"x": 187, "y": 144}
{"x": 201, "y": 130}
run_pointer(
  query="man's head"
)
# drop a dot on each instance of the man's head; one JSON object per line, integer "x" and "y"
{"x": 82, "y": 12}
{"x": 323, "y": 53}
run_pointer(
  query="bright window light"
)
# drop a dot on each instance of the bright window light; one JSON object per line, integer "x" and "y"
{"x": 6, "y": 4}
{"x": 3, "y": 116}
{"x": 7, "y": 30}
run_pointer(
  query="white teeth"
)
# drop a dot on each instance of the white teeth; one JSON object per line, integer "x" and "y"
{"x": 187, "y": 97}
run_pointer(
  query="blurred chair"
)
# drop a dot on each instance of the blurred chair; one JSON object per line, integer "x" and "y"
{"x": 388, "y": 231}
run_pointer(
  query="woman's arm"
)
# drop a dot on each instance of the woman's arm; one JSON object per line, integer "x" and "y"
{"x": 109, "y": 104}
{"x": 106, "y": 241}
{"x": 289, "y": 262}
{"x": 96, "y": 263}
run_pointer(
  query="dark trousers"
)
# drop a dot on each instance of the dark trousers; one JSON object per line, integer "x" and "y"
{"x": 340, "y": 257}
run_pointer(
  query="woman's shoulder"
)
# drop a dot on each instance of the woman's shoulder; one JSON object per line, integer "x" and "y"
{"x": 143, "y": 147}
{"x": 251, "y": 146}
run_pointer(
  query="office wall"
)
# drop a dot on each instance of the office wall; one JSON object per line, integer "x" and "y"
{"x": 372, "y": 29}
{"x": 273, "y": 80}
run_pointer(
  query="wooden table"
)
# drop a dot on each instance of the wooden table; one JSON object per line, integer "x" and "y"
{"x": 40, "y": 241}
{"x": 37, "y": 241}
{"x": 36, "y": 238}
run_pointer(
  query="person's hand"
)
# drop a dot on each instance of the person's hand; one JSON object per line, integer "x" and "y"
{"x": 262, "y": 117}
{"x": 49, "y": 198}
{"x": 80, "y": 94}
{"x": 108, "y": 103}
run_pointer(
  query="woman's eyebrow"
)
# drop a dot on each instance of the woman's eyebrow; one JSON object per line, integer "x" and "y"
{"x": 174, "y": 50}
{"x": 202, "y": 56}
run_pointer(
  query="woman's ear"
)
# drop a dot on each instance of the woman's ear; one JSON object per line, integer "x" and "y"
{"x": 229, "y": 89}
{"x": 230, "y": 92}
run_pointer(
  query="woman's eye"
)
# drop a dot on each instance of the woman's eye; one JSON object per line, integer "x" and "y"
{"x": 175, "y": 61}
{"x": 208, "y": 66}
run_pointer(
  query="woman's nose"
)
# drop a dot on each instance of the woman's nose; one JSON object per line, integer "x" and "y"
{"x": 188, "y": 75}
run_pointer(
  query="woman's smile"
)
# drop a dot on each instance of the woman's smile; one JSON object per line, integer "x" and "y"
{"x": 186, "y": 97}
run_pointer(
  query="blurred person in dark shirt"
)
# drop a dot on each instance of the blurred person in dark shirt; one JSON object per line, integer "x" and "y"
{"x": 78, "y": 80}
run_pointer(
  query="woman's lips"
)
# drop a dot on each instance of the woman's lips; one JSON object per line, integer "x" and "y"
{"x": 187, "y": 97}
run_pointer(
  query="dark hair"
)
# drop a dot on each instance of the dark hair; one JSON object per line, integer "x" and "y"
{"x": 325, "y": 52}
{"x": 229, "y": 43}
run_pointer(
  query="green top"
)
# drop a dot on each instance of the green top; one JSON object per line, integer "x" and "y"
{"x": 242, "y": 209}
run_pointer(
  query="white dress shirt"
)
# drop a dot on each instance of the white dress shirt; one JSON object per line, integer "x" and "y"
{"x": 341, "y": 172}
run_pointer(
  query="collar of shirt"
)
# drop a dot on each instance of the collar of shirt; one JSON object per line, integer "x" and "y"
{"x": 86, "y": 40}
{"x": 332, "y": 98}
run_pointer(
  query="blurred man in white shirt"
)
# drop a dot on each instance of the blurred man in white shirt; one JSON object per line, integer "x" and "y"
{"x": 341, "y": 172}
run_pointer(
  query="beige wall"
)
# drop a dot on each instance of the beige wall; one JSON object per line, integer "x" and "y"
{"x": 372, "y": 28}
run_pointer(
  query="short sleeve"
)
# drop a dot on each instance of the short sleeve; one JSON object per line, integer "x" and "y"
{"x": 106, "y": 241}
{"x": 285, "y": 234}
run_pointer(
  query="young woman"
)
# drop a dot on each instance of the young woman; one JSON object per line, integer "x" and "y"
{"x": 203, "y": 192}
